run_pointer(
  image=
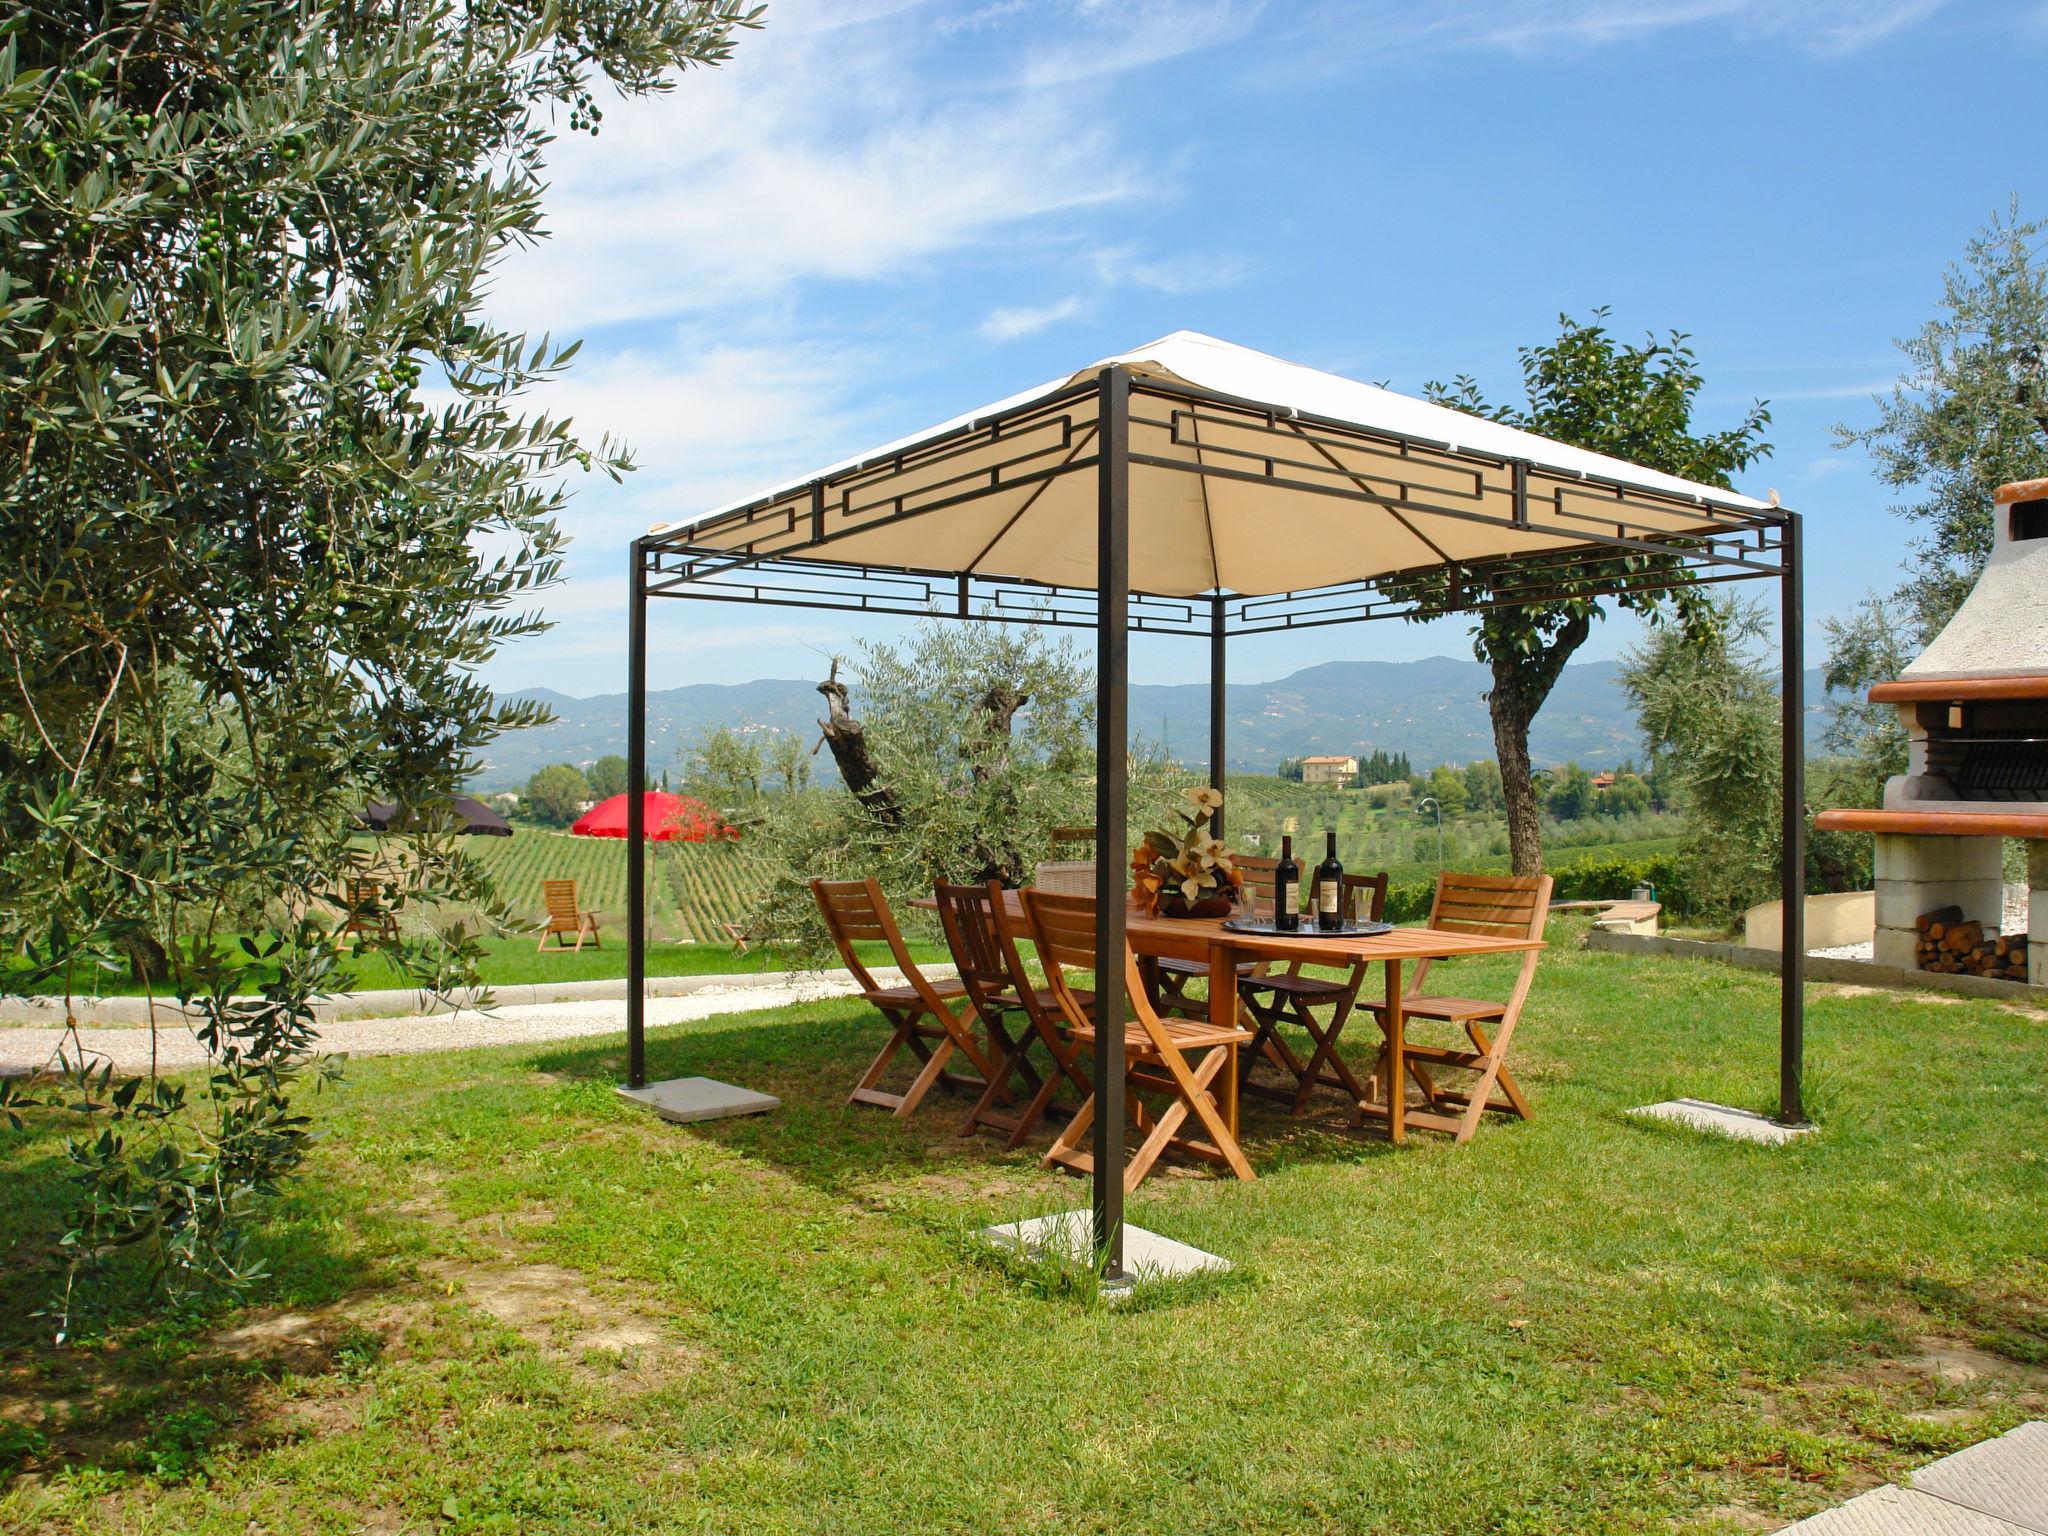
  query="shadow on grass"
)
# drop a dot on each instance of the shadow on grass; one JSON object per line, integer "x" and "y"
{"x": 809, "y": 1058}
{"x": 140, "y": 1384}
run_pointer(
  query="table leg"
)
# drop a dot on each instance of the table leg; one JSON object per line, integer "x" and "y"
{"x": 1396, "y": 1086}
{"x": 1223, "y": 1015}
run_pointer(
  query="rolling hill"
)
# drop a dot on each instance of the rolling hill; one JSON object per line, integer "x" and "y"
{"x": 1433, "y": 709}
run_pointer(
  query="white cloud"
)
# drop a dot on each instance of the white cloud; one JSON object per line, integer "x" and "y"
{"x": 1861, "y": 391}
{"x": 836, "y": 149}
{"x": 1106, "y": 37}
{"x": 1183, "y": 272}
{"x": 1007, "y": 324}
{"x": 1343, "y": 30}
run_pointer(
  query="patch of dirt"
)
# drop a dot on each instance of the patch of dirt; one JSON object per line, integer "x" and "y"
{"x": 1735, "y": 1517}
{"x": 1897, "y": 994}
{"x": 329, "y": 1413}
{"x": 554, "y": 1309}
{"x": 1957, "y": 1364}
{"x": 302, "y": 1342}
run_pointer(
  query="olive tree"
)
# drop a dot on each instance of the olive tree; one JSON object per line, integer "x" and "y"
{"x": 1635, "y": 403}
{"x": 960, "y": 750}
{"x": 270, "y": 499}
{"x": 1969, "y": 413}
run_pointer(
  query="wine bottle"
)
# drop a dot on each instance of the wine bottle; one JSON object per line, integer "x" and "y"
{"x": 1330, "y": 888}
{"x": 1287, "y": 889}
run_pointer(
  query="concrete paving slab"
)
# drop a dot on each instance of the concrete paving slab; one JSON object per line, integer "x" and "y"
{"x": 1721, "y": 1120}
{"x": 2006, "y": 1478}
{"x": 1070, "y": 1235}
{"x": 1890, "y": 1511}
{"x": 687, "y": 1099}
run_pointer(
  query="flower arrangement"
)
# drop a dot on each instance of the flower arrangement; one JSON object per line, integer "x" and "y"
{"x": 1187, "y": 873}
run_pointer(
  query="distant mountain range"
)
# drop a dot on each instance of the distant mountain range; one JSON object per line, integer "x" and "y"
{"x": 1434, "y": 710}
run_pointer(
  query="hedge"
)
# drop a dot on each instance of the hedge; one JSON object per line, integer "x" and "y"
{"x": 1588, "y": 879}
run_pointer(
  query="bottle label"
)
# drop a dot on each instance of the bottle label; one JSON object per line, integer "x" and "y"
{"x": 1285, "y": 900}
{"x": 1326, "y": 899}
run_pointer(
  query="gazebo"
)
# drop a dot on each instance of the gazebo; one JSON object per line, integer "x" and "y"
{"x": 1193, "y": 487}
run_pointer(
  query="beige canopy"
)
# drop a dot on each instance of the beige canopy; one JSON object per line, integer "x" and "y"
{"x": 1248, "y": 474}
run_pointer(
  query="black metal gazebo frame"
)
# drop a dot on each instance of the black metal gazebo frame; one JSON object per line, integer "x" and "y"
{"x": 778, "y": 551}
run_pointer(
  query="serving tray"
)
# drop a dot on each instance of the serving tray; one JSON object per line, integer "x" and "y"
{"x": 1263, "y": 927}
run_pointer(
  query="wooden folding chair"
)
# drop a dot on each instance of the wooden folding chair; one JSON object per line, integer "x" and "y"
{"x": 566, "y": 917}
{"x": 855, "y": 910}
{"x": 1178, "y": 1058}
{"x": 1501, "y": 906}
{"x": 1073, "y": 842}
{"x": 1289, "y": 996}
{"x": 1172, "y": 978}
{"x": 363, "y": 911}
{"x": 998, "y": 988}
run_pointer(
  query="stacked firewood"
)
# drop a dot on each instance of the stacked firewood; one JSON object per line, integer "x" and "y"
{"x": 1955, "y": 947}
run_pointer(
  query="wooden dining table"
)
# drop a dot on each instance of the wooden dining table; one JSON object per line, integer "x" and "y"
{"x": 1207, "y": 940}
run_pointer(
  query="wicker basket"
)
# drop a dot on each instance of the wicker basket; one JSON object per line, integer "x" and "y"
{"x": 1066, "y": 877}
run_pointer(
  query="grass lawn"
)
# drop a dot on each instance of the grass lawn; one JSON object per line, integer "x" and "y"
{"x": 505, "y": 1302}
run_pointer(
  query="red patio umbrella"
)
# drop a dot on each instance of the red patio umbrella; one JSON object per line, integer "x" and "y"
{"x": 670, "y": 819}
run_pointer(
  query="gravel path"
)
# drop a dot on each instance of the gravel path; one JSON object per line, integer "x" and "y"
{"x": 29, "y": 1049}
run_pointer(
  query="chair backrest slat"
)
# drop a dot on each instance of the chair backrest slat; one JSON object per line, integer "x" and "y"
{"x": 560, "y": 896}
{"x": 1365, "y": 897}
{"x": 1064, "y": 928}
{"x": 1256, "y": 894}
{"x": 968, "y": 914}
{"x": 1502, "y": 906}
{"x": 855, "y": 911}
{"x": 1064, "y": 839}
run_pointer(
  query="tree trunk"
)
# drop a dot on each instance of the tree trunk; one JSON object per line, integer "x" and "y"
{"x": 848, "y": 739}
{"x": 1520, "y": 685}
{"x": 1518, "y": 790}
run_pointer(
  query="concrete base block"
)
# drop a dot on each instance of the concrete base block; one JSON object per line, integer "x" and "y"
{"x": 1900, "y": 902}
{"x": 686, "y": 1099}
{"x": 2006, "y": 1478}
{"x": 1897, "y": 947}
{"x": 1069, "y": 1235}
{"x": 1720, "y": 1120}
{"x": 1890, "y": 1511}
{"x": 1903, "y": 856}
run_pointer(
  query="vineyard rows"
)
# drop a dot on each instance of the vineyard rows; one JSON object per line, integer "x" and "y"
{"x": 694, "y": 889}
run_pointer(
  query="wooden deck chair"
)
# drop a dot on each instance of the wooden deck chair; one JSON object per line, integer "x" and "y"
{"x": 363, "y": 910}
{"x": 1500, "y": 906}
{"x": 565, "y": 917}
{"x": 1073, "y": 842}
{"x": 1289, "y": 996}
{"x": 1000, "y": 990}
{"x": 919, "y": 1011}
{"x": 1179, "y": 1059}
{"x": 1172, "y": 978}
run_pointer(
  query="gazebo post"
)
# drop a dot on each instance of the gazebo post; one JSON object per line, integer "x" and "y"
{"x": 1112, "y": 772}
{"x": 636, "y": 827}
{"x": 1216, "y": 720}
{"x": 1792, "y": 951}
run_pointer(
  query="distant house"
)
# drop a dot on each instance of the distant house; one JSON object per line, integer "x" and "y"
{"x": 1603, "y": 781}
{"x": 1329, "y": 770}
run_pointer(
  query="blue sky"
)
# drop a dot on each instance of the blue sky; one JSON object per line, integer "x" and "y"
{"x": 881, "y": 214}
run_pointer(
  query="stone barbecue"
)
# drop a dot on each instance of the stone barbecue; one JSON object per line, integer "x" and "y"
{"x": 1975, "y": 708}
